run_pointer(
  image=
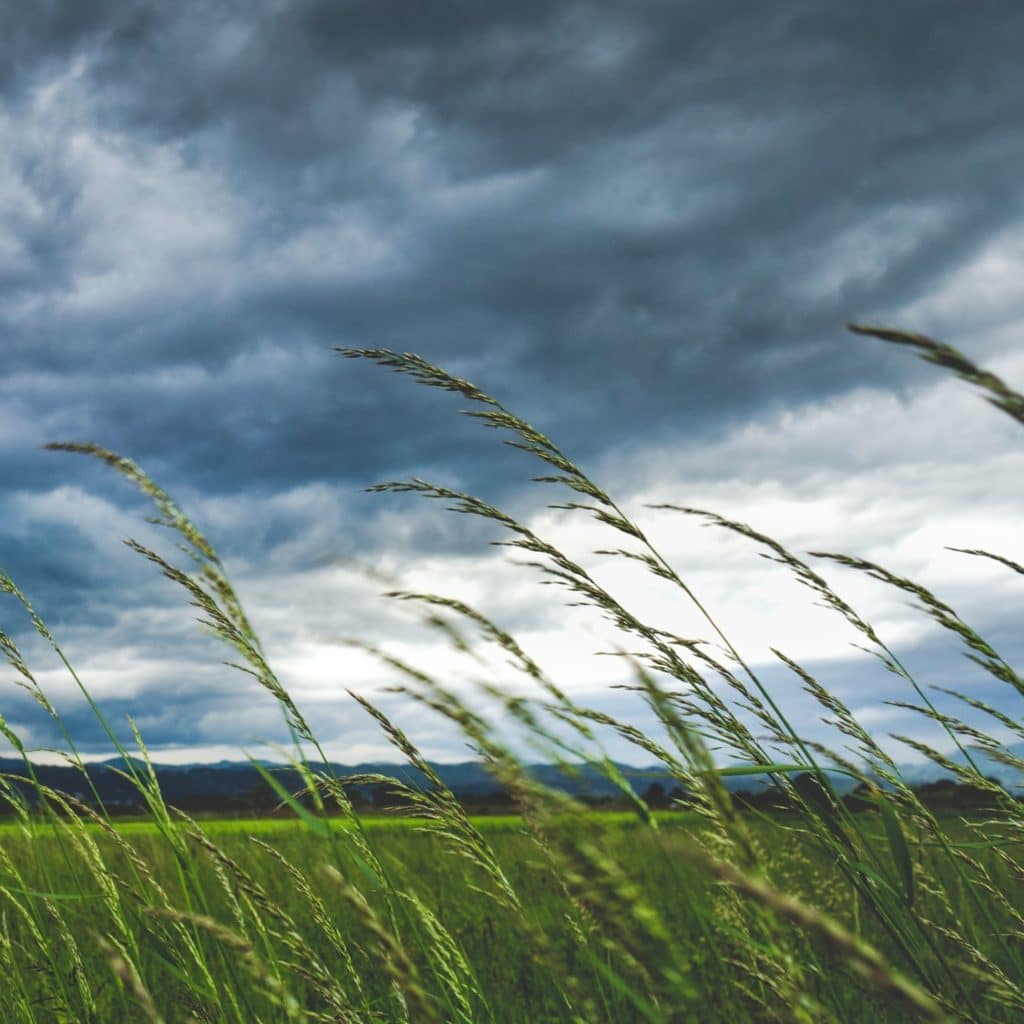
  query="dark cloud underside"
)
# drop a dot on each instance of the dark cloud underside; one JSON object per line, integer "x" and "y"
{"x": 635, "y": 225}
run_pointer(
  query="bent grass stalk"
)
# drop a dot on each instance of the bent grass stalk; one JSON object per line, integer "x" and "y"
{"x": 184, "y": 926}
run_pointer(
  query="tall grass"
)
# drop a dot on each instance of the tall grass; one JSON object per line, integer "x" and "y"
{"x": 818, "y": 915}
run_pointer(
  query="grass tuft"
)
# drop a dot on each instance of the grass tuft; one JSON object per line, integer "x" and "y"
{"x": 822, "y": 910}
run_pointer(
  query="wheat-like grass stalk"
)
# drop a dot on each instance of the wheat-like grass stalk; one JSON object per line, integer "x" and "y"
{"x": 935, "y": 924}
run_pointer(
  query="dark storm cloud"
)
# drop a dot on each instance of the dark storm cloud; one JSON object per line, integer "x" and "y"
{"x": 629, "y": 223}
{"x": 170, "y": 717}
{"x": 49, "y": 31}
{"x": 600, "y": 200}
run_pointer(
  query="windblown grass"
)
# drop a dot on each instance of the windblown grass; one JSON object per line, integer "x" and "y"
{"x": 821, "y": 915}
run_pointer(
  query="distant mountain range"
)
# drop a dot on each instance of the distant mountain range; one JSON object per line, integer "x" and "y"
{"x": 239, "y": 785}
{"x": 1010, "y": 777}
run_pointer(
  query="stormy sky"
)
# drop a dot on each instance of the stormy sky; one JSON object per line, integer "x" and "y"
{"x": 642, "y": 227}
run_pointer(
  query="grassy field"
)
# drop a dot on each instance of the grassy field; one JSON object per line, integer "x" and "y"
{"x": 500, "y": 972}
{"x": 486, "y": 823}
{"x": 819, "y": 915}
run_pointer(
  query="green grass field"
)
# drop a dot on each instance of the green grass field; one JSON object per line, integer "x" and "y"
{"x": 821, "y": 915}
{"x": 489, "y": 824}
{"x": 701, "y": 929}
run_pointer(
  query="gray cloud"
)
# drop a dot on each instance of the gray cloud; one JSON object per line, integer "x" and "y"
{"x": 641, "y": 228}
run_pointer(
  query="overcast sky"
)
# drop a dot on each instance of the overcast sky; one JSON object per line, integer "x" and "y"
{"x": 643, "y": 227}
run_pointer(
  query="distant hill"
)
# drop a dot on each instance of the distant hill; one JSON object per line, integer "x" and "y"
{"x": 1010, "y": 777}
{"x": 239, "y": 786}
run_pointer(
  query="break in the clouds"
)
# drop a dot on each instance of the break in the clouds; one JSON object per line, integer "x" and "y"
{"x": 642, "y": 227}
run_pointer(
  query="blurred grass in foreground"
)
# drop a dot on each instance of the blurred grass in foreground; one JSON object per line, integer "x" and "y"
{"x": 822, "y": 914}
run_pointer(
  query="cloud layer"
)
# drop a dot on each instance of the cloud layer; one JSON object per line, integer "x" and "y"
{"x": 642, "y": 230}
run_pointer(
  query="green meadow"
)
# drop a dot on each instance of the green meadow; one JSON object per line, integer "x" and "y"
{"x": 284, "y": 948}
{"x": 886, "y": 910}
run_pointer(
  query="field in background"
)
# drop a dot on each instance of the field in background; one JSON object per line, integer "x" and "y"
{"x": 518, "y": 985}
{"x": 486, "y": 823}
